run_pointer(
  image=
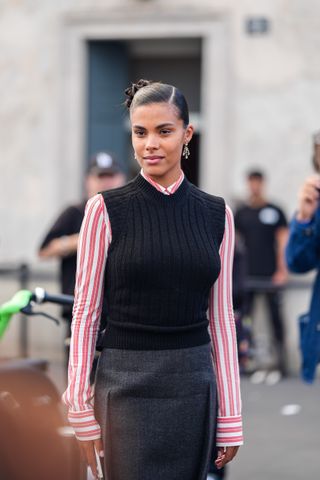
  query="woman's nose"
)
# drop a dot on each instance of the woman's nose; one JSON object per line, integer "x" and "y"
{"x": 152, "y": 142}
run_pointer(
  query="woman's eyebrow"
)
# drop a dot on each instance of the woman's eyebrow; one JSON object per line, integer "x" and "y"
{"x": 167, "y": 124}
{"x": 162, "y": 125}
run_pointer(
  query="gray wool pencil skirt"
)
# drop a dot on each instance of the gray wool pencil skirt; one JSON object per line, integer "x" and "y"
{"x": 157, "y": 411}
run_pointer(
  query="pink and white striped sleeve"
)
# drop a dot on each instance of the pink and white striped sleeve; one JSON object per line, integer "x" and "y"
{"x": 224, "y": 343}
{"x": 94, "y": 240}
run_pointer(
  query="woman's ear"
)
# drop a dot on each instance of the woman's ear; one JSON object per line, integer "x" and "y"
{"x": 188, "y": 133}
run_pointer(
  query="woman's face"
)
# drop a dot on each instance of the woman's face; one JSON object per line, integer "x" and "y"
{"x": 158, "y": 137}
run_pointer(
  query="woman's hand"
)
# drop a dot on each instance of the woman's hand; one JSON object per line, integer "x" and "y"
{"x": 225, "y": 455}
{"x": 88, "y": 454}
{"x": 308, "y": 198}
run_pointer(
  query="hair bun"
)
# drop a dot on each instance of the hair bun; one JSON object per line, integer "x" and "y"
{"x": 134, "y": 88}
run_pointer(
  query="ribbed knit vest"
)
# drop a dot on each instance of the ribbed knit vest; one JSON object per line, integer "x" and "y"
{"x": 161, "y": 265}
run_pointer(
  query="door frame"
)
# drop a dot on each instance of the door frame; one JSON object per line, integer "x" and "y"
{"x": 216, "y": 95}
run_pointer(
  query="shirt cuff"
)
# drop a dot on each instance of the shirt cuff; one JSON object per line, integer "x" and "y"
{"x": 85, "y": 425}
{"x": 302, "y": 224}
{"x": 229, "y": 431}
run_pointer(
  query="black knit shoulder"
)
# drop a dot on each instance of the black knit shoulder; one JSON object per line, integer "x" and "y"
{"x": 118, "y": 193}
{"x": 214, "y": 204}
{"x": 117, "y": 202}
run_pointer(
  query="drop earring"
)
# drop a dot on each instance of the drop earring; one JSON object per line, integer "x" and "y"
{"x": 186, "y": 151}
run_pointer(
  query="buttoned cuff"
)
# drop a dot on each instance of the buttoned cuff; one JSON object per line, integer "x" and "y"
{"x": 304, "y": 228}
{"x": 229, "y": 431}
{"x": 85, "y": 425}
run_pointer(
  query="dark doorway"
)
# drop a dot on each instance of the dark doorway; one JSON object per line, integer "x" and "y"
{"x": 112, "y": 65}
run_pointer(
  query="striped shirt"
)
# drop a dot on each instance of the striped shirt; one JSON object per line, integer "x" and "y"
{"x": 94, "y": 240}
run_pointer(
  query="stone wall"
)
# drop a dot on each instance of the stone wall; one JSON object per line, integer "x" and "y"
{"x": 274, "y": 86}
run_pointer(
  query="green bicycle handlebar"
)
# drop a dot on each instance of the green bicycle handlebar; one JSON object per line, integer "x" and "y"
{"x": 20, "y": 300}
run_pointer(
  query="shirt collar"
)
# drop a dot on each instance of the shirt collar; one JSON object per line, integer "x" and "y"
{"x": 165, "y": 190}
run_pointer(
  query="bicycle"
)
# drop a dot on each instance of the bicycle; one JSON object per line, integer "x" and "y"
{"x": 35, "y": 441}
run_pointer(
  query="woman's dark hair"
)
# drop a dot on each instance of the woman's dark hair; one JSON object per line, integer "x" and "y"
{"x": 145, "y": 92}
{"x": 316, "y": 145}
{"x": 315, "y": 163}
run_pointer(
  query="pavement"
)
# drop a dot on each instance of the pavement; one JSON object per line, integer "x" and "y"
{"x": 282, "y": 432}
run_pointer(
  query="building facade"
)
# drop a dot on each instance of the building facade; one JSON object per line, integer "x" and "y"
{"x": 253, "y": 88}
{"x": 250, "y": 70}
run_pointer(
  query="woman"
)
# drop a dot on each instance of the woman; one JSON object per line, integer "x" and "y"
{"x": 151, "y": 249}
{"x": 303, "y": 255}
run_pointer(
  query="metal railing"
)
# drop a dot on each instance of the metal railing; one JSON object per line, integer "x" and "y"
{"x": 24, "y": 275}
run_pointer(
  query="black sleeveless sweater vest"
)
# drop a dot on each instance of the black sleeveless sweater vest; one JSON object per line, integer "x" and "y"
{"x": 161, "y": 265}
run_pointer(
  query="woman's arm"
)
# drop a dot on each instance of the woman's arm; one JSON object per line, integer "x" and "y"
{"x": 224, "y": 342}
{"x": 94, "y": 240}
{"x": 303, "y": 249}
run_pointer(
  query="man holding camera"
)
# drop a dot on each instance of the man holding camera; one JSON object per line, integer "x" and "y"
{"x": 303, "y": 255}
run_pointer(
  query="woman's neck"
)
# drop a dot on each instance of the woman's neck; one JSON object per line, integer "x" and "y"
{"x": 164, "y": 181}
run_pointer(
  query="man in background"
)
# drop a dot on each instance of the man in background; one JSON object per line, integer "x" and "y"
{"x": 303, "y": 255}
{"x": 263, "y": 228}
{"x": 104, "y": 173}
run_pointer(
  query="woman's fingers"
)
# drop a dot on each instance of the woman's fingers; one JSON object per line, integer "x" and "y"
{"x": 99, "y": 457}
{"x": 225, "y": 455}
{"x": 309, "y": 192}
{"x": 231, "y": 453}
{"x": 88, "y": 455}
{"x": 99, "y": 447}
{"x": 308, "y": 198}
{"x": 220, "y": 457}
